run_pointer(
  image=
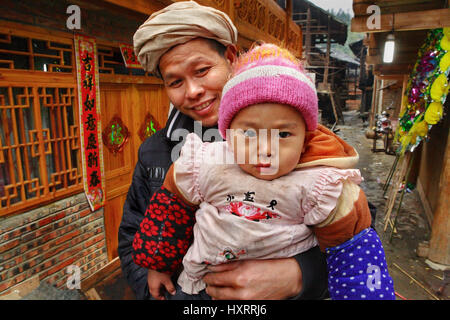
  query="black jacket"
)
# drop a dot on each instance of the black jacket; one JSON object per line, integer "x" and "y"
{"x": 154, "y": 159}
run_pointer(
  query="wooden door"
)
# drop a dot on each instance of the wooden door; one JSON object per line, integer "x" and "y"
{"x": 115, "y": 102}
{"x": 130, "y": 103}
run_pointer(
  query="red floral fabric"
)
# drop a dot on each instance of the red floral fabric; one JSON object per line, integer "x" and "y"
{"x": 165, "y": 233}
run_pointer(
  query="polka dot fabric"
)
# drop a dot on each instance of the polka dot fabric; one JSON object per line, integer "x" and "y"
{"x": 357, "y": 269}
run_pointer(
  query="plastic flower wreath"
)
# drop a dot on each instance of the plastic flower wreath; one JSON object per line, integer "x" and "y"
{"x": 426, "y": 92}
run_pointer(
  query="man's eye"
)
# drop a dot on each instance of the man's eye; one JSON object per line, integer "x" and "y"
{"x": 284, "y": 134}
{"x": 250, "y": 133}
{"x": 174, "y": 83}
{"x": 202, "y": 71}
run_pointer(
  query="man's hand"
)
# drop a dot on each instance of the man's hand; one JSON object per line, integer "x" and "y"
{"x": 254, "y": 279}
{"x": 156, "y": 281}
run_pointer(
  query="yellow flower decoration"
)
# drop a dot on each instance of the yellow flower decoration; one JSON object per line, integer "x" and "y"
{"x": 439, "y": 87}
{"x": 445, "y": 43}
{"x": 434, "y": 113}
{"x": 405, "y": 140}
{"x": 445, "y": 62}
{"x": 446, "y": 31}
{"x": 419, "y": 129}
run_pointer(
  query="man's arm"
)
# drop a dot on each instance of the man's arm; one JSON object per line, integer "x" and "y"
{"x": 303, "y": 277}
{"x": 133, "y": 213}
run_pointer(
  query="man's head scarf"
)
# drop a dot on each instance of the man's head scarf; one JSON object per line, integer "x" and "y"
{"x": 177, "y": 24}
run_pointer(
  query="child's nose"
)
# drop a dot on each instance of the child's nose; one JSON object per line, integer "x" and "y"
{"x": 265, "y": 147}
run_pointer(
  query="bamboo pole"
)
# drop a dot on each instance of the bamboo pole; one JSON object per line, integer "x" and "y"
{"x": 391, "y": 173}
{"x": 411, "y": 160}
{"x": 416, "y": 282}
{"x": 393, "y": 188}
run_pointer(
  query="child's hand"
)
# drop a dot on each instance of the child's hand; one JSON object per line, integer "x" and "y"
{"x": 156, "y": 281}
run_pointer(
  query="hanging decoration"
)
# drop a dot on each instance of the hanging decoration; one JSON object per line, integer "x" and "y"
{"x": 115, "y": 135}
{"x": 426, "y": 91}
{"x": 148, "y": 127}
{"x": 90, "y": 126}
{"x": 129, "y": 57}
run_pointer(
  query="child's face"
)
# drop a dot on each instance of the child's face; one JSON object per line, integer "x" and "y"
{"x": 267, "y": 139}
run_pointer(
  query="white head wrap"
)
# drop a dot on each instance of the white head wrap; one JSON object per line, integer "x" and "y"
{"x": 177, "y": 24}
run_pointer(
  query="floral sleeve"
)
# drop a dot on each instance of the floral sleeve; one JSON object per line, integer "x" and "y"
{"x": 165, "y": 233}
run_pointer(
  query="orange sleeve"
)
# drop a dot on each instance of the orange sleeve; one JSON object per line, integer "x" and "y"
{"x": 337, "y": 232}
{"x": 171, "y": 186}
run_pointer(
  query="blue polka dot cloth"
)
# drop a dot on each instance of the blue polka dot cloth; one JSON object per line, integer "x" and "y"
{"x": 357, "y": 269}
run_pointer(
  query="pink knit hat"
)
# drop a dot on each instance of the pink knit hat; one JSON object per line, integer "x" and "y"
{"x": 268, "y": 73}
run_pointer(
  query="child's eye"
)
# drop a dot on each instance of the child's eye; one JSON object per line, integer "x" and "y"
{"x": 250, "y": 133}
{"x": 284, "y": 134}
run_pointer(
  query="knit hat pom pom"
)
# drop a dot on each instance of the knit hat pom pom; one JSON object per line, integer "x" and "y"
{"x": 266, "y": 54}
{"x": 268, "y": 73}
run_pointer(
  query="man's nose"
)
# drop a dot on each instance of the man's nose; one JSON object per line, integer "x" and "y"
{"x": 194, "y": 89}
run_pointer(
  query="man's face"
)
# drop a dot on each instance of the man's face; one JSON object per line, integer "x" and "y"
{"x": 194, "y": 75}
{"x": 267, "y": 139}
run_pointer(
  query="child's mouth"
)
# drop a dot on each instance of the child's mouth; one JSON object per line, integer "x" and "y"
{"x": 263, "y": 165}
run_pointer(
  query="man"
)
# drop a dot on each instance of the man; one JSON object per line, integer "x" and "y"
{"x": 192, "y": 48}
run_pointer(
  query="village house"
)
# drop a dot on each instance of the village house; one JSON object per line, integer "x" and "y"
{"x": 405, "y": 86}
{"x": 74, "y": 108}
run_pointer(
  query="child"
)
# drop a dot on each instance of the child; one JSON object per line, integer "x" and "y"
{"x": 279, "y": 185}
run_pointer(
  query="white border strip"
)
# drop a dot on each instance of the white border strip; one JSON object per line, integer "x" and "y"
{"x": 267, "y": 71}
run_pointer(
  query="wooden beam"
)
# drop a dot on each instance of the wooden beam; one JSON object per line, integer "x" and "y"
{"x": 392, "y": 69}
{"x": 308, "y": 36}
{"x": 325, "y": 75}
{"x": 390, "y": 6}
{"x": 288, "y": 18}
{"x": 97, "y": 277}
{"x": 141, "y": 6}
{"x": 404, "y": 21}
{"x": 92, "y": 294}
{"x": 399, "y": 58}
{"x": 440, "y": 240}
{"x": 325, "y": 32}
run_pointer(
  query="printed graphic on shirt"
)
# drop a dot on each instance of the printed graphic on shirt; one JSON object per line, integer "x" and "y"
{"x": 229, "y": 254}
{"x": 249, "y": 212}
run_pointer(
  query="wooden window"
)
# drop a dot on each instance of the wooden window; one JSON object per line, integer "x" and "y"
{"x": 39, "y": 145}
{"x": 110, "y": 61}
{"x": 40, "y": 156}
{"x": 35, "y": 54}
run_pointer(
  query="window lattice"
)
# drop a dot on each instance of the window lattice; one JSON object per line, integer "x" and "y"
{"x": 110, "y": 61}
{"x": 44, "y": 55}
{"x": 39, "y": 143}
{"x": 35, "y": 54}
{"x": 40, "y": 156}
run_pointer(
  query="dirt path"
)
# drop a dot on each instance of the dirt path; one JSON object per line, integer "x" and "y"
{"x": 412, "y": 224}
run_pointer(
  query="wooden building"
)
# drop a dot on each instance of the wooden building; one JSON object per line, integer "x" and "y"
{"x": 334, "y": 71}
{"x": 411, "y": 21}
{"x": 46, "y": 223}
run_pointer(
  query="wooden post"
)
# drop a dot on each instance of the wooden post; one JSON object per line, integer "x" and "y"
{"x": 440, "y": 233}
{"x": 308, "y": 36}
{"x": 325, "y": 74}
{"x": 374, "y": 102}
{"x": 231, "y": 9}
{"x": 288, "y": 21}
